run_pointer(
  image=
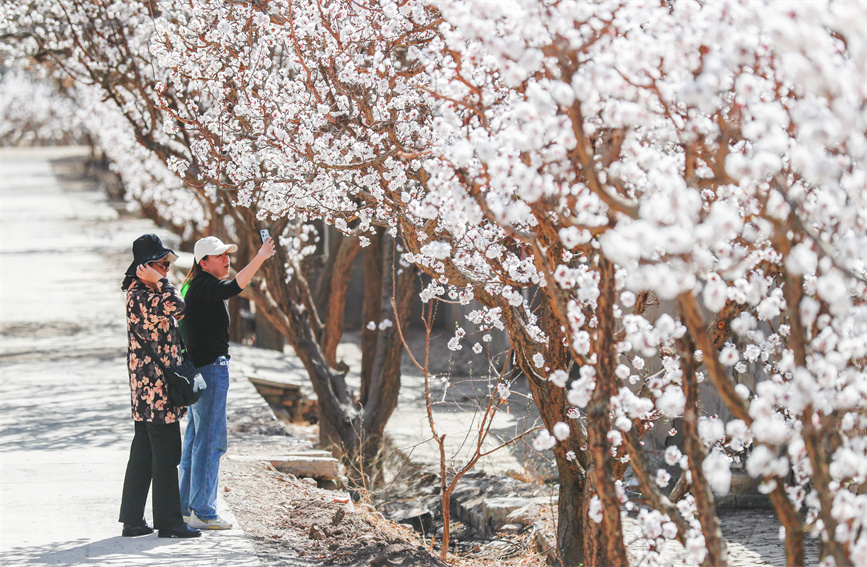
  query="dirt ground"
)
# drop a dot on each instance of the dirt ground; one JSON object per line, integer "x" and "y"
{"x": 291, "y": 522}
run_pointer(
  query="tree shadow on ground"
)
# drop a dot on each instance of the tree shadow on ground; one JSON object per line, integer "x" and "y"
{"x": 65, "y": 404}
{"x": 132, "y": 552}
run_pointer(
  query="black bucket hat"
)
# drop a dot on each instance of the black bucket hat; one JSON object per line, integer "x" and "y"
{"x": 148, "y": 248}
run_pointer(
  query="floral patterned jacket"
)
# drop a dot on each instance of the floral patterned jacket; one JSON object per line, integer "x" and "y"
{"x": 152, "y": 314}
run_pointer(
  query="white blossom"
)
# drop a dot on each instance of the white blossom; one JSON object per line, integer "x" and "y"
{"x": 717, "y": 471}
{"x": 544, "y": 441}
{"x": 595, "y": 510}
{"x": 561, "y": 431}
{"x": 711, "y": 430}
{"x": 671, "y": 402}
{"x": 672, "y": 455}
{"x": 559, "y": 378}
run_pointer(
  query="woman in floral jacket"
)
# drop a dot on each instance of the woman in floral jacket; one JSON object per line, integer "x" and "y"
{"x": 152, "y": 307}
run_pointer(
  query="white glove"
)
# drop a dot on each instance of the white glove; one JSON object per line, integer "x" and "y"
{"x": 199, "y": 383}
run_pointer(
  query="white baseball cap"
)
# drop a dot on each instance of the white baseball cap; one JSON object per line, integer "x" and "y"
{"x": 211, "y": 246}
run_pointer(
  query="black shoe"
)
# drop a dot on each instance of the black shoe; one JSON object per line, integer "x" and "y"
{"x": 181, "y": 531}
{"x": 133, "y": 530}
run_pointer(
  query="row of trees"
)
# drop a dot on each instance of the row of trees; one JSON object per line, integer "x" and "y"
{"x": 562, "y": 164}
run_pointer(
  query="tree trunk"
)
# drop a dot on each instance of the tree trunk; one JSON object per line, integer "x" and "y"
{"x": 691, "y": 315}
{"x": 817, "y": 439}
{"x": 371, "y": 309}
{"x": 236, "y": 323}
{"x": 576, "y": 543}
{"x": 352, "y": 429}
{"x": 575, "y": 531}
{"x": 340, "y": 269}
{"x": 380, "y": 398}
{"x": 789, "y": 518}
{"x": 267, "y": 335}
{"x": 695, "y": 452}
{"x": 593, "y": 552}
{"x": 335, "y": 238}
{"x": 649, "y": 491}
{"x": 337, "y": 407}
{"x": 599, "y": 422}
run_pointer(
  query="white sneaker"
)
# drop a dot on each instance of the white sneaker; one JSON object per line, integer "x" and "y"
{"x": 217, "y": 523}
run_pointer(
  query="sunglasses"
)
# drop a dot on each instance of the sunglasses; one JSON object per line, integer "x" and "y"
{"x": 163, "y": 265}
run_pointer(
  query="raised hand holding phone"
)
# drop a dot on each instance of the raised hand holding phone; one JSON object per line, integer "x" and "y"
{"x": 268, "y": 248}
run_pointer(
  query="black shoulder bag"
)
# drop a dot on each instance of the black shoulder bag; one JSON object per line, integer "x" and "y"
{"x": 184, "y": 383}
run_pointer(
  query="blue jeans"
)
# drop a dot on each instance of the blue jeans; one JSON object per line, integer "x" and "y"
{"x": 205, "y": 441}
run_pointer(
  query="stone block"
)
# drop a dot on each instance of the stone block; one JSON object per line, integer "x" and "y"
{"x": 496, "y": 511}
{"x": 470, "y": 511}
{"x": 546, "y": 544}
{"x": 319, "y": 465}
{"x": 742, "y": 483}
{"x": 529, "y": 513}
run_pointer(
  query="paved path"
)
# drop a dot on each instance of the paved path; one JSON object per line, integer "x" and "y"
{"x": 65, "y": 423}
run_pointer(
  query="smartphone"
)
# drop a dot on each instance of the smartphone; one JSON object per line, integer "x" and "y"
{"x": 264, "y": 235}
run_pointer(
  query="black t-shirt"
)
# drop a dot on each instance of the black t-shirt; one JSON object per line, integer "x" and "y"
{"x": 206, "y": 318}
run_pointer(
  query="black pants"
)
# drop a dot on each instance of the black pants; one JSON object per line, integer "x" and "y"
{"x": 153, "y": 457}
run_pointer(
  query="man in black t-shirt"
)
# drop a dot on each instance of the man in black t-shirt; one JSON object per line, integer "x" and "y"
{"x": 206, "y": 333}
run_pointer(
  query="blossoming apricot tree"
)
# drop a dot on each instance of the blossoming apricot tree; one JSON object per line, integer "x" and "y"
{"x": 682, "y": 150}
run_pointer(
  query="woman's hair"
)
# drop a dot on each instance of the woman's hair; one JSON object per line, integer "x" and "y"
{"x": 194, "y": 271}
